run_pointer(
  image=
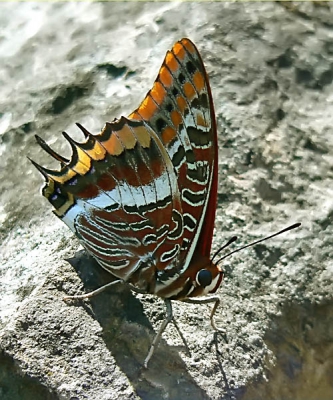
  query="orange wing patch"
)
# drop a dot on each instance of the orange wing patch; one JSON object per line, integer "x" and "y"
{"x": 188, "y": 45}
{"x": 168, "y": 135}
{"x": 97, "y": 152}
{"x": 143, "y": 136}
{"x": 179, "y": 51}
{"x": 201, "y": 120}
{"x": 113, "y": 145}
{"x": 126, "y": 136}
{"x": 176, "y": 118}
{"x": 171, "y": 62}
{"x": 189, "y": 91}
{"x": 165, "y": 77}
{"x": 147, "y": 108}
{"x": 181, "y": 103}
{"x": 158, "y": 93}
{"x": 198, "y": 81}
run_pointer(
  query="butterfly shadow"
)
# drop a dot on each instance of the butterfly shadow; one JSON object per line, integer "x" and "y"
{"x": 128, "y": 334}
{"x": 220, "y": 356}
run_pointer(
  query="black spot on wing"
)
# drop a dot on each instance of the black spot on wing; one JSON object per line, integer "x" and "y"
{"x": 191, "y": 68}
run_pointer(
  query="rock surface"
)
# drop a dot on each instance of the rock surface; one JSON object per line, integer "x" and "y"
{"x": 271, "y": 71}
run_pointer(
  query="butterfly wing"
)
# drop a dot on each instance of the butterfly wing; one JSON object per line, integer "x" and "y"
{"x": 119, "y": 195}
{"x": 141, "y": 195}
{"x": 179, "y": 108}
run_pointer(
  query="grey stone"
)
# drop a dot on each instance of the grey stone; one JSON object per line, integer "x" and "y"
{"x": 270, "y": 69}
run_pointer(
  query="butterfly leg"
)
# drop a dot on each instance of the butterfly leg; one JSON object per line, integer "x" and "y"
{"x": 101, "y": 289}
{"x": 94, "y": 292}
{"x": 182, "y": 337}
{"x": 212, "y": 299}
{"x": 169, "y": 318}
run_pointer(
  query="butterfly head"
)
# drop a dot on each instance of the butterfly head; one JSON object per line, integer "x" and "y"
{"x": 206, "y": 276}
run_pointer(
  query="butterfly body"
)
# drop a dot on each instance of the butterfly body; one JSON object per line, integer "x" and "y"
{"x": 141, "y": 195}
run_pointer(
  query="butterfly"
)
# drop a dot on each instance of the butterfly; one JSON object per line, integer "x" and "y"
{"x": 141, "y": 195}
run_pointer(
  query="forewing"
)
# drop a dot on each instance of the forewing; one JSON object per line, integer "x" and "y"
{"x": 179, "y": 108}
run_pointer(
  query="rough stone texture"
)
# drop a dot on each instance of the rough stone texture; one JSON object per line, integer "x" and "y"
{"x": 271, "y": 72}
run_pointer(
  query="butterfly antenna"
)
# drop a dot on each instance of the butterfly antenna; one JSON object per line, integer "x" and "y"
{"x": 233, "y": 239}
{"x": 289, "y": 228}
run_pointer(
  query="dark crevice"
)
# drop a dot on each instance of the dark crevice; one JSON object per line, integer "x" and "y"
{"x": 112, "y": 69}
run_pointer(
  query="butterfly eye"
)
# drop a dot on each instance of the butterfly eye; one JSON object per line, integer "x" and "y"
{"x": 204, "y": 278}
